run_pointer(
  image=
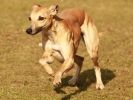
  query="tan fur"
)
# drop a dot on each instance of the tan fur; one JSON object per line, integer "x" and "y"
{"x": 61, "y": 34}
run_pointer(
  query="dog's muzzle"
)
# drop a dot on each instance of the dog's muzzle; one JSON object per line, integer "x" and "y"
{"x": 31, "y": 32}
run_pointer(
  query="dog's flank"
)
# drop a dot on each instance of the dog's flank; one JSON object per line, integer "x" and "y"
{"x": 61, "y": 34}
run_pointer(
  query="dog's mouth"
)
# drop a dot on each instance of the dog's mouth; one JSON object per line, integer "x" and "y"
{"x": 37, "y": 31}
{"x": 31, "y": 32}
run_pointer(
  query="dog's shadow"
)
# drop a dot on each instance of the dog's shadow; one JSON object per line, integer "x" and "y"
{"x": 86, "y": 78}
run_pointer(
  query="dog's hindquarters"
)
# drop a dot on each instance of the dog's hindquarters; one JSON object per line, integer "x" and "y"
{"x": 91, "y": 39}
{"x": 90, "y": 36}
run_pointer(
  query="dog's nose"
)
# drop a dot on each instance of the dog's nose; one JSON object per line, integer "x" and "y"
{"x": 29, "y": 30}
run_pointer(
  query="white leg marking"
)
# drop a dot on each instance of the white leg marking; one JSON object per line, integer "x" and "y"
{"x": 99, "y": 83}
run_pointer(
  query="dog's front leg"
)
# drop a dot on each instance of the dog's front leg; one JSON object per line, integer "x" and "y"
{"x": 67, "y": 64}
{"x": 45, "y": 61}
{"x": 47, "y": 58}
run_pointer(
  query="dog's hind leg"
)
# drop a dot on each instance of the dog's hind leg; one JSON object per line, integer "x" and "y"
{"x": 78, "y": 65}
{"x": 99, "y": 84}
{"x": 91, "y": 39}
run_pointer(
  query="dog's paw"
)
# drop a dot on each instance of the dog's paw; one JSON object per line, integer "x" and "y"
{"x": 72, "y": 81}
{"x": 57, "y": 86}
{"x": 99, "y": 86}
{"x": 57, "y": 80}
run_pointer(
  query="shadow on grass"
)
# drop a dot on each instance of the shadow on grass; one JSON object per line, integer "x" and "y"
{"x": 86, "y": 79}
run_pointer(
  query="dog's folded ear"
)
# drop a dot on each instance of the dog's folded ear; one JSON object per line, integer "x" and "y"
{"x": 36, "y": 7}
{"x": 54, "y": 9}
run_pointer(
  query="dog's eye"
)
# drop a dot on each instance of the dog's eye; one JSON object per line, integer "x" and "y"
{"x": 29, "y": 18}
{"x": 41, "y": 18}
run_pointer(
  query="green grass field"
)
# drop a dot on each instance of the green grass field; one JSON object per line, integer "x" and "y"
{"x": 23, "y": 78}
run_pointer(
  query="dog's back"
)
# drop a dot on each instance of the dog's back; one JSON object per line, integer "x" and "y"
{"x": 73, "y": 16}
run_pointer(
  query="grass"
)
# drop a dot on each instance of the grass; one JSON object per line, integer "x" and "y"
{"x": 23, "y": 78}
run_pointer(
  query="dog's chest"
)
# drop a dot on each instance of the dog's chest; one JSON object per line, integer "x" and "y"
{"x": 56, "y": 37}
{"x": 52, "y": 35}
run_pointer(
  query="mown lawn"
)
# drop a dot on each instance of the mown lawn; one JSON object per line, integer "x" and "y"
{"x": 23, "y": 78}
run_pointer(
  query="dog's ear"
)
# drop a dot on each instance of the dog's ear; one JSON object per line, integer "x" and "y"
{"x": 54, "y": 9}
{"x": 36, "y": 7}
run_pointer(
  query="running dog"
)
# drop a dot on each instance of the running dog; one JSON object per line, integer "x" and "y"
{"x": 61, "y": 34}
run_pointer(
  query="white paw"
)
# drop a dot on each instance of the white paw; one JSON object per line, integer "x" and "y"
{"x": 99, "y": 86}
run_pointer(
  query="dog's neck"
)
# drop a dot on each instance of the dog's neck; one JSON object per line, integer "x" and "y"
{"x": 52, "y": 29}
{"x": 57, "y": 18}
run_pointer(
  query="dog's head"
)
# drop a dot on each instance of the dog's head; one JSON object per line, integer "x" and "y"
{"x": 41, "y": 18}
